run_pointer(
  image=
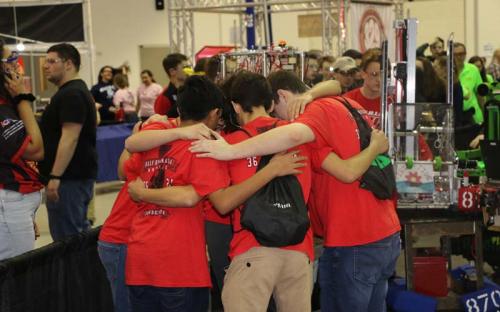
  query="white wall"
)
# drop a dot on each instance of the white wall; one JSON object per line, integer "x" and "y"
{"x": 437, "y": 18}
{"x": 120, "y": 26}
{"x": 474, "y": 22}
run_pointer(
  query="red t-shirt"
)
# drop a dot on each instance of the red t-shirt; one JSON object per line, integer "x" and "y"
{"x": 167, "y": 245}
{"x": 349, "y": 215}
{"x": 16, "y": 173}
{"x": 242, "y": 169}
{"x": 116, "y": 228}
{"x": 372, "y": 106}
{"x": 162, "y": 104}
{"x": 212, "y": 215}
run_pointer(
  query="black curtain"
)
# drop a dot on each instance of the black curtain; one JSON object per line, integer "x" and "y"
{"x": 48, "y": 23}
{"x": 64, "y": 276}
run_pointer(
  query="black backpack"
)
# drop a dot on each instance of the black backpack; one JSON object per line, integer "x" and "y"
{"x": 277, "y": 213}
{"x": 379, "y": 178}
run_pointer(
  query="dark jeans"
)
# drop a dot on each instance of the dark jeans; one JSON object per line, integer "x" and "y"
{"x": 218, "y": 237}
{"x": 168, "y": 299}
{"x": 354, "y": 279}
{"x": 68, "y": 216}
{"x": 131, "y": 117}
{"x": 113, "y": 258}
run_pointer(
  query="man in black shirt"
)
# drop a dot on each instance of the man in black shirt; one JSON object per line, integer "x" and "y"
{"x": 69, "y": 134}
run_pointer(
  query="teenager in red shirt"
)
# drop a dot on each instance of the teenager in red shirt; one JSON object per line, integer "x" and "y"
{"x": 361, "y": 233}
{"x": 166, "y": 261}
{"x": 166, "y": 102}
{"x": 257, "y": 272}
{"x": 114, "y": 234}
{"x": 368, "y": 95}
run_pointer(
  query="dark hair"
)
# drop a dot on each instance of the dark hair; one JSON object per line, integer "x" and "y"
{"x": 99, "y": 78}
{"x": 326, "y": 58}
{"x": 197, "y": 97}
{"x": 459, "y": 44}
{"x": 3, "y": 90}
{"x": 436, "y": 40}
{"x": 442, "y": 61}
{"x": 172, "y": 60}
{"x": 212, "y": 67}
{"x": 67, "y": 52}
{"x": 355, "y": 54}
{"x": 370, "y": 56}
{"x": 121, "y": 81}
{"x": 228, "y": 114}
{"x": 251, "y": 90}
{"x": 200, "y": 65}
{"x": 482, "y": 71}
{"x": 313, "y": 54}
{"x": 428, "y": 84}
{"x": 285, "y": 80}
{"x": 149, "y": 73}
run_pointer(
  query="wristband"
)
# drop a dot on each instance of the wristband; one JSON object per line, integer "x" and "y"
{"x": 23, "y": 96}
{"x": 54, "y": 177}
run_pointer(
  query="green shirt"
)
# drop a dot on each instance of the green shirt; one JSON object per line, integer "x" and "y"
{"x": 470, "y": 78}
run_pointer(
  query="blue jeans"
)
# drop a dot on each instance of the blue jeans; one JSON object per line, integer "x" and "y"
{"x": 17, "y": 212}
{"x": 113, "y": 258}
{"x": 354, "y": 279}
{"x": 68, "y": 216}
{"x": 168, "y": 299}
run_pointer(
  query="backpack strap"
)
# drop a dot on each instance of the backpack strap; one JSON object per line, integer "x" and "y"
{"x": 363, "y": 126}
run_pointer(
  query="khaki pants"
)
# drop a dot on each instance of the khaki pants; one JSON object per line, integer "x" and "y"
{"x": 260, "y": 272}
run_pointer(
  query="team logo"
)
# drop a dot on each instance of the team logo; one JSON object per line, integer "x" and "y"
{"x": 6, "y": 122}
{"x": 162, "y": 213}
{"x": 371, "y": 30}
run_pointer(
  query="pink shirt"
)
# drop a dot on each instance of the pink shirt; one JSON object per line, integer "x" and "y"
{"x": 147, "y": 96}
{"x": 124, "y": 98}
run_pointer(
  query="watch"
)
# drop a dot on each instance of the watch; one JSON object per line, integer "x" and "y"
{"x": 22, "y": 97}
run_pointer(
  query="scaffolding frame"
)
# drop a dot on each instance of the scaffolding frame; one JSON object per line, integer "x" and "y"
{"x": 181, "y": 30}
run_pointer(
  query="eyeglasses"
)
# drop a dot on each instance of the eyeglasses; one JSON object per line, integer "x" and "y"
{"x": 351, "y": 72}
{"x": 53, "y": 61}
{"x": 13, "y": 57}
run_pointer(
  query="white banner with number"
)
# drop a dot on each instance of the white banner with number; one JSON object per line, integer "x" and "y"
{"x": 370, "y": 25}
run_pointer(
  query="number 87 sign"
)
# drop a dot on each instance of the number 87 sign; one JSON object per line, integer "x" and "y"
{"x": 484, "y": 300}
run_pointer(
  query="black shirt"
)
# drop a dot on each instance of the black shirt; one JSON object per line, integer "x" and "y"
{"x": 171, "y": 94}
{"x": 72, "y": 103}
{"x": 103, "y": 94}
{"x": 16, "y": 174}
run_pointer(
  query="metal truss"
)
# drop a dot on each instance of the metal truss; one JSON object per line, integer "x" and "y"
{"x": 181, "y": 30}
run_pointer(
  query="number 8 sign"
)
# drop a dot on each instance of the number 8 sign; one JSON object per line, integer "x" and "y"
{"x": 468, "y": 199}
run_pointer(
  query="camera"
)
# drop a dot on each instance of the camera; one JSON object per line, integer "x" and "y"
{"x": 489, "y": 89}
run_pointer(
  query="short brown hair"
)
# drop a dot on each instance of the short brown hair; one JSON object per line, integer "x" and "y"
{"x": 326, "y": 58}
{"x": 370, "y": 56}
{"x": 121, "y": 81}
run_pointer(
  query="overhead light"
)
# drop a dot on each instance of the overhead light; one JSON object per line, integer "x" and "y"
{"x": 20, "y": 46}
